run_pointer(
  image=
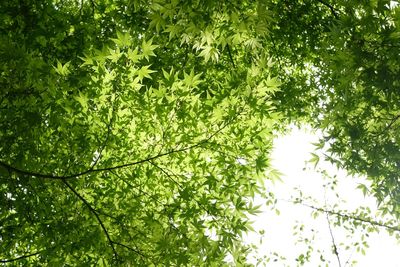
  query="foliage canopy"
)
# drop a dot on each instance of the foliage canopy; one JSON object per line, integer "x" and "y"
{"x": 138, "y": 132}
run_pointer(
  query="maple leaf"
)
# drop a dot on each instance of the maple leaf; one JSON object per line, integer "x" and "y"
{"x": 147, "y": 49}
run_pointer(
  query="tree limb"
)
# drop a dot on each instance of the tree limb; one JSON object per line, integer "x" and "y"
{"x": 230, "y": 56}
{"x": 56, "y": 177}
{"x": 22, "y": 257}
{"x": 330, "y": 7}
{"x": 335, "y": 249}
{"x": 348, "y": 216}
{"x": 90, "y": 170}
{"x": 392, "y": 121}
{"x": 129, "y": 248}
{"x": 92, "y": 210}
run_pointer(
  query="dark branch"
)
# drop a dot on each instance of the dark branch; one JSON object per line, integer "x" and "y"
{"x": 22, "y": 257}
{"x": 51, "y": 176}
{"x": 167, "y": 174}
{"x": 388, "y": 127}
{"x": 330, "y": 7}
{"x": 56, "y": 177}
{"x": 349, "y": 216}
{"x": 130, "y": 248}
{"x": 392, "y": 121}
{"x": 230, "y": 56}
{"x": 181, "y": 187}
{"x": 335, "y": 250}
{"x": 92, "y": 210}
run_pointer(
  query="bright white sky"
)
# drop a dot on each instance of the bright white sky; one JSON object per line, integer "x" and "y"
{"x": 289, "y": 157}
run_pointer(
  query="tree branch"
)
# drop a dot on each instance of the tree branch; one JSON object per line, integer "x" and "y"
{"x": 330, "y": 7}
{"x": 276, "y": 52}
{"x": 348, "y": 216}
{"x": 130, "y": 248}
{"x": 92, "y": 210}
{"x": 335, "y": 250}
{"x": 392, "y": 121}
{"x": 56, "y": 177}
{"x": 152, "y": 197}
{"x": 230, "y": 56}
{"x": 181, "y": 187}
{"x": 22, "y": 257}
{"x": 348, "y": 259}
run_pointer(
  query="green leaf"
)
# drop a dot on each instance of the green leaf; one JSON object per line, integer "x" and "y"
{"x": 209, "y": 52}
{"x": 134, "y": 56}
{"x": 83, "y": 100}
{"x": 61, "y": 69}
{"x": 314, "y": 159}
{"x": 363, "y": 188}
{"x": 123, "y": 39}
{"x": 115, "y": 55}
{"x": 192, "y": 80}
{"x": 144, "y": 72}
{"x": 147, "y": 48}
{"x": 262, "y": 162}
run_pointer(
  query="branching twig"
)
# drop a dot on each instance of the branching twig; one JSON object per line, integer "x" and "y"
{"x": 167, "y": 174}
{"x": 56, "y": 177}
{"x": 181, "y": 187}
{"x": 129, "y": 248}
{"x": 92, "y": 210}
{"x": 51, "y": 176}
{"x": 103, "y": 146}
{"x": 348, "y": 216}
{"x": 392, "y": 121}
{"x": 330, "y": 7}
{"x": 348, "y": 259}
{"x": 335, "y": 249}
{"x": 150, "y": 196}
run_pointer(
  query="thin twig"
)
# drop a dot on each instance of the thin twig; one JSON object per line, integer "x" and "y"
{"x": 348, "y": 216}
{"x": 230, "y": 56}
{"x": 103, "y": 146}
{"x": 348, "y": 259}
{"x": 130, "y": 248}
{"x": 335, "y": 250}
{"x": 392, "y": 121}
{"x": 150, "y": 196}
{"x": 166, "y": 173}
{"x": 181, "y": 187}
